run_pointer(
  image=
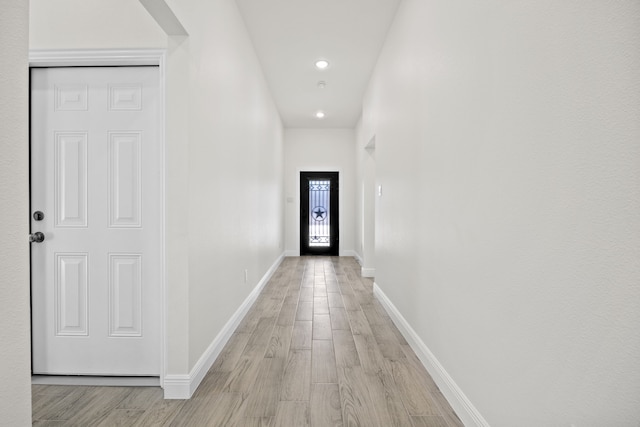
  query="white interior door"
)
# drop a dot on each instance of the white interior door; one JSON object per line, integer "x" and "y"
{"x": 96, "y": 177}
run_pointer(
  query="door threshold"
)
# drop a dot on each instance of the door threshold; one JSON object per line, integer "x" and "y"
{"x": 95, "y": 380}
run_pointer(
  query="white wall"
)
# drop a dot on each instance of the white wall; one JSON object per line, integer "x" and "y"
{"x": 15, "y": 350}
{"x": 508, "y": 232}
{"x": 235, "y": 216}
{"x": 92, "y": 24}
{"x": 224, "y": 157}
{"x": 319, "y": 150}
{"x": 366, "y": 193}
{"x": 358, "y": 231}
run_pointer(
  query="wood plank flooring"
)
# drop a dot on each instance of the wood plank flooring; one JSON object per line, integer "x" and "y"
{"x": 316, "y": 349}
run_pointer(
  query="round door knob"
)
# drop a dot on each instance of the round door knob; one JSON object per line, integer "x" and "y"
{"x": 36, "y": 237}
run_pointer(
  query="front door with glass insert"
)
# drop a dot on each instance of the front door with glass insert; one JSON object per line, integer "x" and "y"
{"x": 319, "y": 213}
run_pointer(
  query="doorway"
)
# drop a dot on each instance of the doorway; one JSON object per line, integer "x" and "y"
{"x": 96, "y": 199}
{"x": 319, "y": 213}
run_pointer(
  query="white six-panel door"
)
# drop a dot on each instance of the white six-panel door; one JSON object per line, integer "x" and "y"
{"x": 96, "y": 177}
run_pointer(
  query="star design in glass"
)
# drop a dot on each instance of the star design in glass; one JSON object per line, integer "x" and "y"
{"x": 319, "y": 213}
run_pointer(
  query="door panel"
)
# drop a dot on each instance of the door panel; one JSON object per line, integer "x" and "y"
{"x": 125, "y": 193}
{"x": 71, "y": 289}
{"x": 96, "y": 176}
{"x": 125, "y": 295}
{"x": 70, "y": 166}
{"x": 319, "y": 213}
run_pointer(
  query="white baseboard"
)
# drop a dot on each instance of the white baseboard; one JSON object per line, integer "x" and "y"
{"x": 347, "y": 252}
{"x": 364, "y": 271}
{"x": 183, "y": 386}
{"x": 358, "y": 258}
{"x": 178, "y": 387}
{"x": 454, "y": 395}
{"x": 368, "y": 272}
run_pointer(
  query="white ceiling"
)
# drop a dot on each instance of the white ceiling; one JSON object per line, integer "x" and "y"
{"x": 290, "y": 35}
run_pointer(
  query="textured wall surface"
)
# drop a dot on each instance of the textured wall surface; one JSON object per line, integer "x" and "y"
{"x": 15, "y": 353}
{"x": 508, "y": 232}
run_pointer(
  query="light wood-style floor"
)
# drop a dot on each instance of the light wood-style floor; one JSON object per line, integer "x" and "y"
{"x": 316, "y": 349}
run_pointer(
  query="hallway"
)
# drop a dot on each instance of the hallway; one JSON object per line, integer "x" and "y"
{"x": 316, "y": 349}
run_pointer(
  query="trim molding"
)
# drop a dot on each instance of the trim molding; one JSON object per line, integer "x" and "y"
{"x": 177, "y": 387}
{"x": 348, "y": 252}
{"x": 364, "y": 271}
{"x": 183, "y": 386}
{"x": 454, "y": 395}
{"x": 358, "y": 258}
{"x": 96, "y": 57}
{"x": 368, "y": 272}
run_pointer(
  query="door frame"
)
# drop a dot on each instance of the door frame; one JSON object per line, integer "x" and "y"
{"x": 127, "y": 57}
{"x": 298, "y": 201}
{"x": 334, "y": 211}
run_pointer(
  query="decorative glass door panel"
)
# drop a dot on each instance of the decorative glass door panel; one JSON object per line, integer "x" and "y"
{"x": 319, "y": 213}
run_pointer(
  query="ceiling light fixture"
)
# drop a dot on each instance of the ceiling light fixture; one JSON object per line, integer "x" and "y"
{"x": 320, "y": 115}
{"x": 322, "y": 64}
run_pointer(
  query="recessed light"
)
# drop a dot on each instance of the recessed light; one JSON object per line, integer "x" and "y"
{"x": 322, "y": 64}
{"x": 320, "y": 115}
